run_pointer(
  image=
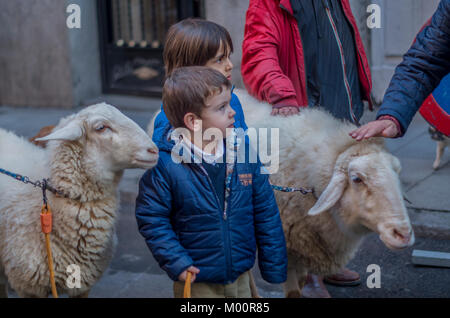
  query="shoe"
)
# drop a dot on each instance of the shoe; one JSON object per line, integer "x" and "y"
{"x": 344, "y": 277}
{"x": 315, "y": 288}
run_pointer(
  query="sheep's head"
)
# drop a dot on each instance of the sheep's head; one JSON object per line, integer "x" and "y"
{"x": 366, "y": 188}
{"x": 110, "y": 141}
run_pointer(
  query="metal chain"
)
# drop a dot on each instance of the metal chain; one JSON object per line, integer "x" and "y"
{"x": 44, "y": 184}
{"x": 291, "y": 189}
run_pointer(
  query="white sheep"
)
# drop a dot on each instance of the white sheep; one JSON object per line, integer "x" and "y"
{"x": 86, "y": 156}
{"x": 356, "y": 185}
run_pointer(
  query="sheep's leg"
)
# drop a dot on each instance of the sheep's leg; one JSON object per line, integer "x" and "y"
{"x": 3, "y": 291}
{"x": 291, "y": 288}
{"x": 82, "y": 295}
{"x": 253, "y": 288}
{"x": 3, "y": 285}
{"x": 302, "y": 275}
{"x": 439, "y": 151}
{"x": 23, "y": 294}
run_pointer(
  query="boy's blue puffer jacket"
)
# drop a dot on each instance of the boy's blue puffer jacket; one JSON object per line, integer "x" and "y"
{"x": 179, "y": 216}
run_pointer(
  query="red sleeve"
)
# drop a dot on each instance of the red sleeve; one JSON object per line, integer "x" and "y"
{"x": 260, "y": 67}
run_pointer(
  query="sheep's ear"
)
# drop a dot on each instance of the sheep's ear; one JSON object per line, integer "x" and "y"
{"x": 396, "y": 164}
{"x": 331, "y": 194}
{"x": 72, "y": 131}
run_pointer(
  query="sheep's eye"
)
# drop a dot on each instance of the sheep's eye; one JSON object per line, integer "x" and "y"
{"x": 356, "y": 179}
{"x": 101, "y": 128}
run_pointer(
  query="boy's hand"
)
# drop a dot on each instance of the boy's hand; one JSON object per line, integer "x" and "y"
{"x": 194, "y": 270}
{"x": 284, "y": 111}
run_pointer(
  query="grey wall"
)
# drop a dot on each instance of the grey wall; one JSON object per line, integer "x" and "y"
{"x": 42, "y": 62}
{"x": 84, "y": 54}
{"x": 34, "y": 55}
{"x": 400, "y": 22}
{"x": 359, "y": 8}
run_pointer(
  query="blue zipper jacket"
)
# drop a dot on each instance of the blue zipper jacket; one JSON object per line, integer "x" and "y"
{"x": 422, "y": 68}
{"x": 179, "y": 215}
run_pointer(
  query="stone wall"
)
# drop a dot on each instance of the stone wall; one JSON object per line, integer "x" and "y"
{"x": 34, "y": 58}
{"x": 42, "y": 62}
{"x": 84, "y": 50}
{"x": 400, "y": 22}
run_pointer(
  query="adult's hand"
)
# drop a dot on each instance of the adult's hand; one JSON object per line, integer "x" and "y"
{"x": 377, "y": 128}
{"x": 284, "y": 111}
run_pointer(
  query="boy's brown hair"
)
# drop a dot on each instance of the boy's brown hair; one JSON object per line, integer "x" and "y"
{"x": 193, "y": 42}
{"x": 186, "y": 90}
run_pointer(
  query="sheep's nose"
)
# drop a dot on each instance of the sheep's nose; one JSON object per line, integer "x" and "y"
{"x": 153, "y": 150}
{"x": 402, "y": 235}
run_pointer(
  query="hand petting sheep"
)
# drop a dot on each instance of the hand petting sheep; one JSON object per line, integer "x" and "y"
{"x": 85, "y": 158}
{"x": 356, "y": 183}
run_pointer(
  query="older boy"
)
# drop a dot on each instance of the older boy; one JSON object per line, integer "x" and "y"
{"x": 208, "y": 215}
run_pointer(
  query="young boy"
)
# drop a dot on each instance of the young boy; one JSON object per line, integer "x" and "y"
{"x": 208, "y": 216}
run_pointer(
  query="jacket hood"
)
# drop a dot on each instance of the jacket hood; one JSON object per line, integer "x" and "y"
{"x": 161, "y": 137}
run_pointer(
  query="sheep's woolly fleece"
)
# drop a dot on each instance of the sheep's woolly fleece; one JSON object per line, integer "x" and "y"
{"x": 75, "y": 225}
{"x": 310, "y": 144}
{"x": 84, "y": 225}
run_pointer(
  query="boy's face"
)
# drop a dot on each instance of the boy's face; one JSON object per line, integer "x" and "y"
{"x": 218, "y": 112}
{"x": 221, "y": 62}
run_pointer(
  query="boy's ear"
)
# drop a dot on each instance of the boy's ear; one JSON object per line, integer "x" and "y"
{"x": 192, "y": 122}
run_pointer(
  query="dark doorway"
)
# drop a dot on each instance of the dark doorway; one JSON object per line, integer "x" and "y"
{"x": 132, "y": 34}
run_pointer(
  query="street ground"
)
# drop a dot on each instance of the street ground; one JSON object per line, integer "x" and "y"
{"x": 134, "y": 272}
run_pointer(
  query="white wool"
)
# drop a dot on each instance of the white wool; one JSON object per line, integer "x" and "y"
{"x": 88, "y": 169}
{"x": 317, "y": 152}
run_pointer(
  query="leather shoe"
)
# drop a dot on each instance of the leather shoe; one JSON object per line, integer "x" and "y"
{"x": 314, "y": 288}
{"x": 344, "y": 277}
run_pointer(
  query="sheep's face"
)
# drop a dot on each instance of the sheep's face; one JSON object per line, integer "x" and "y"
{"x": 110, "y": 141}
{"x": 367, "y": 190}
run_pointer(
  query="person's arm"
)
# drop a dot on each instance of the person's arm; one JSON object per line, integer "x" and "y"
{"x": 260, "y": 69}
{"x": 153, "y": 208}
{"x": 272, "y": 254}
{"x": 422, "y": 68}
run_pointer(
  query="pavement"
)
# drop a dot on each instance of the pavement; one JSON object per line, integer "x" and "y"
{"x": 134, "y": 273}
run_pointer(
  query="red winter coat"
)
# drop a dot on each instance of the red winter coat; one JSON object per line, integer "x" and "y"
{"x": 272, "y": 54}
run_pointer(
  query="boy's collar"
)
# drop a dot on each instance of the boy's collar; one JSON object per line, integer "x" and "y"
{"x": 202, "y": 155}
{"x": 232, "y": 144}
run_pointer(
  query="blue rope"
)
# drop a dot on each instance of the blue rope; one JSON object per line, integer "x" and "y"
{"x": 14, "y": 175}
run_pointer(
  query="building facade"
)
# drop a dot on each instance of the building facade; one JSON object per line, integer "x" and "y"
{"x": 118, "y": 47}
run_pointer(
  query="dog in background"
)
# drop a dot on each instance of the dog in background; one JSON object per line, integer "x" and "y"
{"x": 442, "y": 142}
{"x": 42, "y": 133}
